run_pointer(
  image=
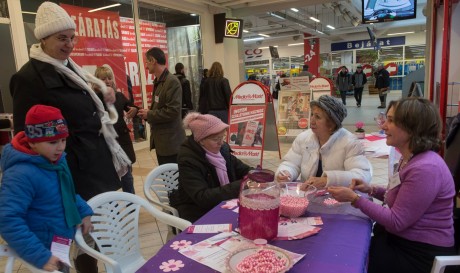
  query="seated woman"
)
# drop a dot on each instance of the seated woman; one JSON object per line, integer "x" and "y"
{"x": 208, "y": 172}
{"x": 326, "y": 154}
{"x": 415, "y": 224}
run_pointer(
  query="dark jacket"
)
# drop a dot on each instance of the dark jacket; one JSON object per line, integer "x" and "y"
{"x": 382, "y": 79}
{"x": 358, "y": 79}
{"x": 215, "y": 95}
{"x": 186, "y": 94}
{"x": 343, "y": 81}
{"x": 124, "y": 139}
{"x": 199, "y": 188}
{"x": 88, "y": 155}
{"x": 167, "y": 133}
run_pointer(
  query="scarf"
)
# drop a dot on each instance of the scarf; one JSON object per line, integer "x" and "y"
{"x": 82, "y": 78}
{"x": 72, "y": 216}
{"x": 218, "y": 161}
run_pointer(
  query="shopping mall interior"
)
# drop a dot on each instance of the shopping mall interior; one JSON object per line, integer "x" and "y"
{"x": 414, "y": 40}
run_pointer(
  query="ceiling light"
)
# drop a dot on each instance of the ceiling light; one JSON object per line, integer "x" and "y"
{"x": 29, "y": 12}
{"x": 253, "y": 39}
{"x": 320, "y": 32}
{"x": 331, "y": 27}
{"x": 245, "y": 31}
{"x": 314, "y": 19}
{"x": 401, "y": 33}
{"x": 277, "y": 16}
{"x": 263, "y": 35}
{"x": 294, "y": 10}
{"x": 297, "y": 44}
{"x": 106, "y": 7}
{"x": 192, "y": 14}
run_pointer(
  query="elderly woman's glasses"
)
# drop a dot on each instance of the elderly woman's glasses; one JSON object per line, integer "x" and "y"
{"x": 67, "y": 40}
{"x": 218, "y": 139}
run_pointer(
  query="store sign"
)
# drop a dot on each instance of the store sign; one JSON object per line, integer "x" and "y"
{"x": 233, "y": 28}
{"x": 392, "y": 68}
{"x": 319, "y": 84}
{"x": 362, "y": 44}
{"x": 250, "y": 93}
{"x": 256, "y": 54}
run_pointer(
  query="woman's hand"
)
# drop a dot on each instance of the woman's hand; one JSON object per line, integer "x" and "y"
{"x": 52, "y": 264}
{"x": 359, "y": 185}
{"x": 132, "y": 112}
{"x": 86, "y": 225}
{"x": 342, "y": 194}
{"x": 109, "y": 97}
{"x": 318, "y": 182}
{"x": 283, "y": 176}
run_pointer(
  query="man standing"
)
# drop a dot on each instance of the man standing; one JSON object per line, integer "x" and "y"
{"x": 382, "y": 83}
{"x": 164, "y": 115}
{"x": 359, "y": 80}
{"x": 305, "y": 72}
{"x": 186, "y": 91}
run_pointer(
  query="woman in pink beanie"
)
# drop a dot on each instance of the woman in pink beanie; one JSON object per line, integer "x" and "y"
{"x": 209, "y": 173}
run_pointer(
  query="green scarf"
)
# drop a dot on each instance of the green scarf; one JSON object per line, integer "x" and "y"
{"x": 72, "y": 216}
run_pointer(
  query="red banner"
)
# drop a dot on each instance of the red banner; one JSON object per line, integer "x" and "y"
{"x": 152, "y": 35}
{"x": 99, "y": 42}
{"x": 311, "y": 54}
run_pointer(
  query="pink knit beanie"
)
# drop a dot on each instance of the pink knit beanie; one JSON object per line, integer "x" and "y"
{"x": 203, "y": 126}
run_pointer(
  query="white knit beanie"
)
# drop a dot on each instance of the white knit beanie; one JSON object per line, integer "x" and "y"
{"x": 51, "y": 19}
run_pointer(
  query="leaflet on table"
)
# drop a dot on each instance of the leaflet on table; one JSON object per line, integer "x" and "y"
{"x": 209, "y": 228}
{"x": 213, "y": 251}
{"x": 297, "y": 228}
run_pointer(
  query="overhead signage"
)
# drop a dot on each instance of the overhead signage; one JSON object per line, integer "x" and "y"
{"x": 233, "y": 28}
{"x": 362, "y": 44}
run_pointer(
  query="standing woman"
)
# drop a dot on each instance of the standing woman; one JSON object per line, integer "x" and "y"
{"x": 416, "y": 222}
{"x": 216, "y": 92}
{"x": 52, "y": 78}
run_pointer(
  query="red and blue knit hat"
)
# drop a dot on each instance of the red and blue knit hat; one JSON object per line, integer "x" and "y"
{"x": 45, "y": 123}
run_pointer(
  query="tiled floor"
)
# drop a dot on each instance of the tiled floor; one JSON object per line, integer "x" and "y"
{"x": 153, "y": 233}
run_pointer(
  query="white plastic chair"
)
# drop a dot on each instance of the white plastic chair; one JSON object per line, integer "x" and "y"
{"x": 10, "y": 254}
{"x": 116, "y": 222}
{"x": 440, "y": 263}
{"x": 161, "y": 181}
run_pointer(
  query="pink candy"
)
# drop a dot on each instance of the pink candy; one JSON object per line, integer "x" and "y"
{"x": 264, "y": 261}
{"x": 293, "y": 206}
{"x": 330, "y": 201}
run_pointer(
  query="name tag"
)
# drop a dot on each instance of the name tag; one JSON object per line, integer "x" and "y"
{"x": 157, "y": 99}
{"x": 394, "y": 181}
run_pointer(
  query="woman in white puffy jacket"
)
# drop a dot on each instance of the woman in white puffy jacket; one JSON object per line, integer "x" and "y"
{"x": 326, "y": 154}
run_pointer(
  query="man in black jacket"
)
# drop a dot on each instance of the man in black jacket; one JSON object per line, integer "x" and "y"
{"x": 382, "y": 83}
{"x": 186, "y": 91}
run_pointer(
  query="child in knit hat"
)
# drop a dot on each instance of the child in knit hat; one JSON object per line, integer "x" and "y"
{"x": 209, "y": 173}
{"x": 38, "y": 204}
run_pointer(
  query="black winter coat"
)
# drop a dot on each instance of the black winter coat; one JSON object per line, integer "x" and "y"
{"x": 124, "y": 139}
{"x": 215, "y": 95}
{"x": 88, "y": 155}
{"x": 199, "y": 188}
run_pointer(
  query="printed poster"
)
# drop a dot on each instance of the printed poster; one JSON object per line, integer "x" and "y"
{"x": 246, "y": 130}
{"x": 293, "y": 112}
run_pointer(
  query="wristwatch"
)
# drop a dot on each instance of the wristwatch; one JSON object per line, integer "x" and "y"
{"x": 355, "y": 199}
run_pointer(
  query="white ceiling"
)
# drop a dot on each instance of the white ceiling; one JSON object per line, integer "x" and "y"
{"x": 276, "y": 19}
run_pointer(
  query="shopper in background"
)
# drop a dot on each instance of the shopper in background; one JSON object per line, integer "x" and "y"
{"x": 382, "y": 83}
{"x": 305, "y": 72}
{"x": 343, "y": 83}
{"x": 52, "y": 78}
{"x": 209, "y": 173}
{"x": 215, "y": 96}
{"x": 416, "y": 224}
{"x": 37, "y": 194}
{"x": 358, "y": 80}
{"x": 186, "y": 91}
{"x": 124, "y": 138}
{"x": 164, "y": 115}
{"x": 326, "y": 154}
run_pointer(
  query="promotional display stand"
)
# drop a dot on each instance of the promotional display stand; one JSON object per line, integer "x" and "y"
{"x": 252, "y": 121}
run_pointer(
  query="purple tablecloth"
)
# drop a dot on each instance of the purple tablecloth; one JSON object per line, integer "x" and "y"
{"x": 341, "y": 246}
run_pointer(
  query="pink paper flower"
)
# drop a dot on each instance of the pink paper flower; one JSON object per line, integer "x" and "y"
{"x": 171, "y": 265}
{"x": 180, "y": 244}
{"x": 359, "y": 126}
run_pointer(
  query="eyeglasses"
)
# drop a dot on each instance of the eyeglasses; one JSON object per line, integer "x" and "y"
{"x": 218, "y": 139}
{"x": 67, "y": 40}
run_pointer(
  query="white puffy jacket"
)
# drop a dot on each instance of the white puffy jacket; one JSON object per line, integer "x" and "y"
{"x": 342, "y": 158}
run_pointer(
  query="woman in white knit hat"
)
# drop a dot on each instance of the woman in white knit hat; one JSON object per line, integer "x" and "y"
{"x": 209, "y": 173}
{"x": 95, "y": 159}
